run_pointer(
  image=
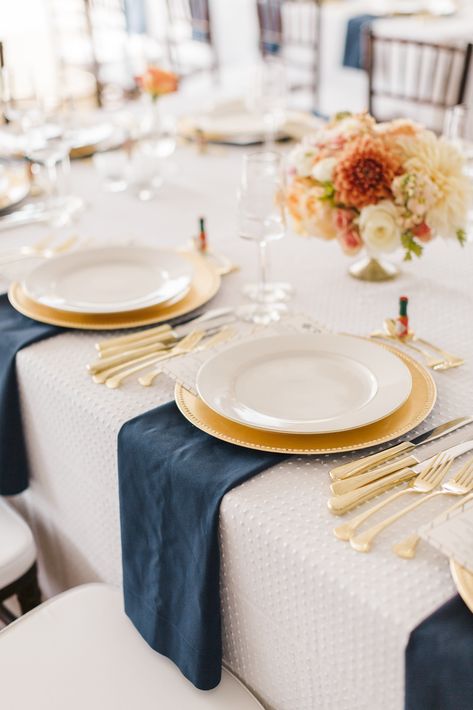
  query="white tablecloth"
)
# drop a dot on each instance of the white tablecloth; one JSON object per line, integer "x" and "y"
{"x": 308, "y": 623}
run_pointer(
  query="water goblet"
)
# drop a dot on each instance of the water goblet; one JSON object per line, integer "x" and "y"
{"x": 261, "y": 218}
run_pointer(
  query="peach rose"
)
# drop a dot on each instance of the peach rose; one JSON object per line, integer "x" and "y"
{"x": 312, "y": 215}
{"x": 157, "y": 82}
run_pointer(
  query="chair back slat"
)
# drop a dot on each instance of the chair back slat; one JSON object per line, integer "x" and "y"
{"x": 189, "y": 21}
{"x": 291, "y": 29}
{"x": 404, "y": 75}
{"x": 270, "y": 25}
{"x": 88, "y": 38}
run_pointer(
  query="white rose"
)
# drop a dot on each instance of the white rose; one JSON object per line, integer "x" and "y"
{"x": 302, "y": 158}
{"x": 323, "y": 170}
{"x": 379, "y": 227}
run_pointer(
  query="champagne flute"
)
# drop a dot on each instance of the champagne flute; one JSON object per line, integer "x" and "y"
{"x": 261, "y": 218}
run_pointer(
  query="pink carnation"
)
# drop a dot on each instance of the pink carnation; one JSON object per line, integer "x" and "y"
{"x": 350, "y": 241}
{"x": 344, "y": 219}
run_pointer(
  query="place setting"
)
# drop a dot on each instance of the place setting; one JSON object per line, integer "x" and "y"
{"x": 111, "y": 288}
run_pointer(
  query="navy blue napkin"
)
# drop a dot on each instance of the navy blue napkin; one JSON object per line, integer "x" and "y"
{"x": 172, "y": 477}
{"x": 354, "y": 41}
{"x": 16, "y": 331}
{"x": 439, "y": 660}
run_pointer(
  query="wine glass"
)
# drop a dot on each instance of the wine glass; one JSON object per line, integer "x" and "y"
{"x": 50, "y": 167}
{"x": 22, "y": 107}
{"x": 145, "y": 169}
{"x": 261, "y": 218}
{"x": 267, "y": 97}
{"x": 458, "y": 128}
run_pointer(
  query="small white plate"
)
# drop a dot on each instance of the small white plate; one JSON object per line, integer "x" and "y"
{"x": 109, "y": 279}
{"x": 14, "y": 187}
{"x": 304, "y": 383}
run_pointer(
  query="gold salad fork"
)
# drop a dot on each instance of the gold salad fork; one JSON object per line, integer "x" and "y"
{"x": 460, "y": 484}
{"x": 424, "y": 482}
{"x": 407, "y": 547}
{"x": 116, "y": 375}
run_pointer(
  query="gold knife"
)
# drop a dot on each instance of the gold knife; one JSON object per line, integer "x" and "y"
{"x": 341, "y": 504}
{"x": 354, "y": 468}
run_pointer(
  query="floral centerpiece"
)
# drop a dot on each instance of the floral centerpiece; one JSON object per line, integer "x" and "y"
{"x": 378, "y": 186}
{"x": 157, "y": 82}
{"x": 154, "y": 83}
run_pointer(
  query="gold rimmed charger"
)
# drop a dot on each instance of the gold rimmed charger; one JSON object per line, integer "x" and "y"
{"x": 205, "y": 284}
{"x": 416, "y": 408}
{"x": 463, "y": 579}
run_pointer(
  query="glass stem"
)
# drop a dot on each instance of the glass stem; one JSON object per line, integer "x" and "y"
{"x": 53, "y": 179}
{"x": 263, "y": 269}
{"x": 269, "y": 132}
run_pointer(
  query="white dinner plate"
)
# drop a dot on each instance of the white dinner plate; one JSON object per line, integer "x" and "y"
{"x": 110, "y": 279}
{"x": 304, "y": 383}
{"x": 89, "y": 135}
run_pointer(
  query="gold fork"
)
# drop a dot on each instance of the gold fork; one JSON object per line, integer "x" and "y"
{"x": 217, "y": 339}
{"x": 434, "y": 363}
{"x": 407, "y": 547}
{"x": 185, "y": 346}
{"x": 459, "y": 485}
{"x": 450, "y": 359}
{"x": 425, "y": 482}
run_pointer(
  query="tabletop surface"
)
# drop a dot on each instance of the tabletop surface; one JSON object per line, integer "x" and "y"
{"x": 292, "y": 595}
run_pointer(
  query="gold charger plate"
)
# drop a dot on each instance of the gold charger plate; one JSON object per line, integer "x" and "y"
{"x": 205, "y": 284}
{"x": 463, "y": 579}
{"x": 418, "y": 405}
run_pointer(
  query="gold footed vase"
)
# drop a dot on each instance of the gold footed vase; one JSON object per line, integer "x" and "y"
{"x": 373, "y": 269}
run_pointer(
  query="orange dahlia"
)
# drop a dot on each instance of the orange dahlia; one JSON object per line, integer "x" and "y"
{"x": 364, "y": 172}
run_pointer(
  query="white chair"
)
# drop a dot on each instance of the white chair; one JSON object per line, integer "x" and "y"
{"x": 79, "y": 650}
{"x": 18, "y": 575}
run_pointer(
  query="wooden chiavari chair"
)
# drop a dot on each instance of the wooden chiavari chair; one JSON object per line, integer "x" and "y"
{"x": 291, "y": 30}
{"x": 414, "y": 79}
{"x": 89, "y": 41}
{"x": 189, "y": 25}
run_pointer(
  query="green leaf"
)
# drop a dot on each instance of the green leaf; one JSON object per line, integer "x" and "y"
{"x": 342, "y": 114}
{"x": 412, "y": 247}
{"x": 461, "y": 236}
{"x": 329, "y": 193}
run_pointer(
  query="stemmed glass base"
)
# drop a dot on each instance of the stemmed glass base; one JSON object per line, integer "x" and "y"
{"x": 272, "y": 292}
{"x": 262, "y": 313}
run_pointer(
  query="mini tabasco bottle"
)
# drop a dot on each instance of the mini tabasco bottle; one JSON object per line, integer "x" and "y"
{"x": 403, "y": 319}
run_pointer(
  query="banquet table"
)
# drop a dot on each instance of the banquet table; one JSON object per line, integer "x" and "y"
{"x": 307, "y": 621}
